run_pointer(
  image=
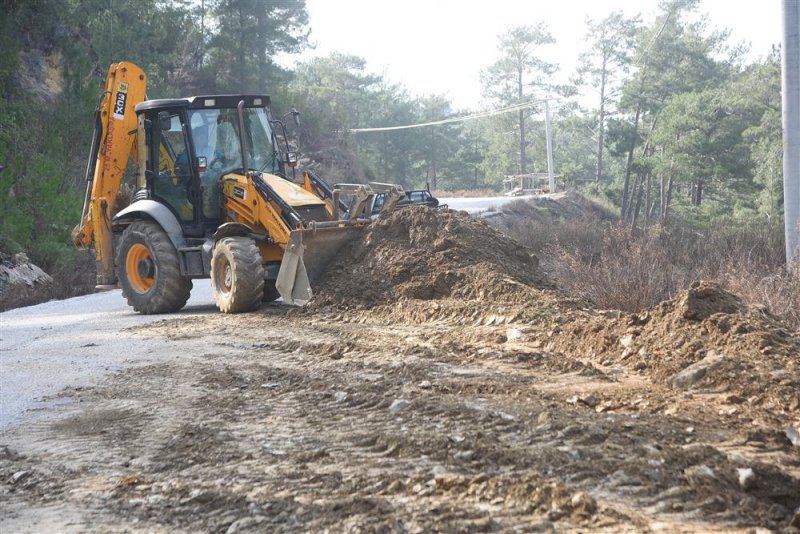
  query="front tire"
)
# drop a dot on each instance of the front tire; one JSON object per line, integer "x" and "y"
{"x": 149, "y": 271}
{"x": 237, "y": 275}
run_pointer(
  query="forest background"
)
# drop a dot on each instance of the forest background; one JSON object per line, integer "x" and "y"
{"x": 681, "y": 134}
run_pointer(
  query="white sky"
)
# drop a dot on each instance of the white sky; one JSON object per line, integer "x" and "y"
{"x": 440, "y": 46}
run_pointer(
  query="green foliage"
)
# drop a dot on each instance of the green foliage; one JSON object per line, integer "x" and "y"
{"x": 510, "y": 80}
{"x": 246, "y": 37}
{"x": 676, "y": 109}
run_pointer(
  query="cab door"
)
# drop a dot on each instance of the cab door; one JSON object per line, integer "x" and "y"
{"x": 173, "y": 180}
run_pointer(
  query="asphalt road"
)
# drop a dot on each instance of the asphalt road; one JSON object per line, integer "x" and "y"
{"x": 71, "y": 343}
{"x": 479, "y": 205}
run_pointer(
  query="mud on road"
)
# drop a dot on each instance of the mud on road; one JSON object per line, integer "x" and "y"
{"x": 441, "y": 411}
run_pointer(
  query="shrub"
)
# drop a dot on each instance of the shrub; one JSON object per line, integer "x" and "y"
{"x": 607, "y": 265}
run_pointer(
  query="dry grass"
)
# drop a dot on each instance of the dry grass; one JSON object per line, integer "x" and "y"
{"x": 779, "y": 292}
{"x": 606, "y": 265}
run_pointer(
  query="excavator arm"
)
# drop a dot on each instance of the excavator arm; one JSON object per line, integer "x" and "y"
{"x": 113, "y": 144}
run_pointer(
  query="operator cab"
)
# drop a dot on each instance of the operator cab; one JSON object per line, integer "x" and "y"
{"x": 193, "y": 142}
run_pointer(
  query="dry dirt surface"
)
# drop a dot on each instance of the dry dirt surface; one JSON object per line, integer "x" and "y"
{"x": 466, "y": 406}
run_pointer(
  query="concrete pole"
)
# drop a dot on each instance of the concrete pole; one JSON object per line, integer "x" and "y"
{"x": 790, "y": 60}
{"x": 548, "y": 132}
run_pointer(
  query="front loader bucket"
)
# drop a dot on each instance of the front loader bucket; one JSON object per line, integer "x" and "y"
{"x": 307, "y": 256}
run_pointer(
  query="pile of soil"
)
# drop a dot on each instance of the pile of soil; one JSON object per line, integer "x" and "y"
{"x": 705, "y": 339}
{"x": 425, "y": 254}
{"x": 550, "y": 209}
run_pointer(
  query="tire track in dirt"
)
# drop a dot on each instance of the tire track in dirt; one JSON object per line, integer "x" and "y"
{"x": 277, "y": 422}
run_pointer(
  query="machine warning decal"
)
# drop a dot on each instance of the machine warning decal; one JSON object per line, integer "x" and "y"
{"x": 239, "y": 192}
{"x": 119, "y": 102}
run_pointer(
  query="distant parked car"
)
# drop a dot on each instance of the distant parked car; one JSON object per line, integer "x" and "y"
{"x": 421, "y": 196}
{"x": 417, "y": 197}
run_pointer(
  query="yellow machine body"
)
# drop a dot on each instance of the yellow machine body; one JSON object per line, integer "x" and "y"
{"x": 297, "y": 226}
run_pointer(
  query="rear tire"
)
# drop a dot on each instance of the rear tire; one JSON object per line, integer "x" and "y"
{"x": 149, "y": 271}
{"x": 237, "y": 275}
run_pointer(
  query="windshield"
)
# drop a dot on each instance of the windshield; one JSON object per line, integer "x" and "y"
{"x": 215, "y": 133}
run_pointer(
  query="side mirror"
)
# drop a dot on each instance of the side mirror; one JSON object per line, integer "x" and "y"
{"x": 164, "y": 120}
{"x": 291, "y": 159}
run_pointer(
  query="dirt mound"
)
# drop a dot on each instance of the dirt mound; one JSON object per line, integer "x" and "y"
{"x": 703, "y": 300}
{"x": 705, "y": 339}
{"x": 424, "y": 254}
{"x": 565, "y": 206}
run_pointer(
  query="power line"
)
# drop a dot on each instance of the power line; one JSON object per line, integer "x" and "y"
{"x": 473, "y": 116}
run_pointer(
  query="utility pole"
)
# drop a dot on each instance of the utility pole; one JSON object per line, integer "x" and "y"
{"x": 790, "y": 61}
{"x": 548, "y": 132}
{"x": 523, "y": 160}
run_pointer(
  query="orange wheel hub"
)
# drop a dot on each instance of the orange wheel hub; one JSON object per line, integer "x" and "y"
{"x": 140, "y": 268}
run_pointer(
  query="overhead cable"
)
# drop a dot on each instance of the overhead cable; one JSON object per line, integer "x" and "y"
{"x": 473, "y": 116}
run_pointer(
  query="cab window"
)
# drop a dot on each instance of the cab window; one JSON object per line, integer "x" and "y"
{"x": 172, "y": 182}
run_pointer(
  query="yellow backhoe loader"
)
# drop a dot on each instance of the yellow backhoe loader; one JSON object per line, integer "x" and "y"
{"x": 211, "y": 200}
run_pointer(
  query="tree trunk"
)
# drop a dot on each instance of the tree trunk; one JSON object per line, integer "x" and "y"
{"x": 645, "y": 150}
{"x": 634, "y": 189}
{"x": 601, "y": 122}
{"x": 261, "y": 46}
{"x": 629, "y": 165}
{"x": 202, "y": 32}
{"x": 242, "y": 36}
{"x": 647, "y": 197}
{"x": 637, "y": 207}
{"x": 665, "y": 207}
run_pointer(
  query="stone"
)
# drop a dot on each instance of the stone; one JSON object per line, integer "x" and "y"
{"x": 340, "y": 396}
{"x": 19, "y": 476}
{"x": 464, "y": 456}
{"x": 734, "y": 399}
{"x": 737, "y": 459}
{"x": 584, "y": 503}
{"x": 398, "y": 405}
{"x": 514, "y": 334}
{"x": 699, "y": 473}
{"x": 796, "y": 519}
{"x": 626, "y": 341}
{"x": 246, "y": 523}
{"x": 425, "y": 384}
{"x": 747, "y": 478}
{"x": 542, "y": 526}
{"x": 543, "y": 419}
{"x": 793, "y": 435}
{"x": 697, "y": 371}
